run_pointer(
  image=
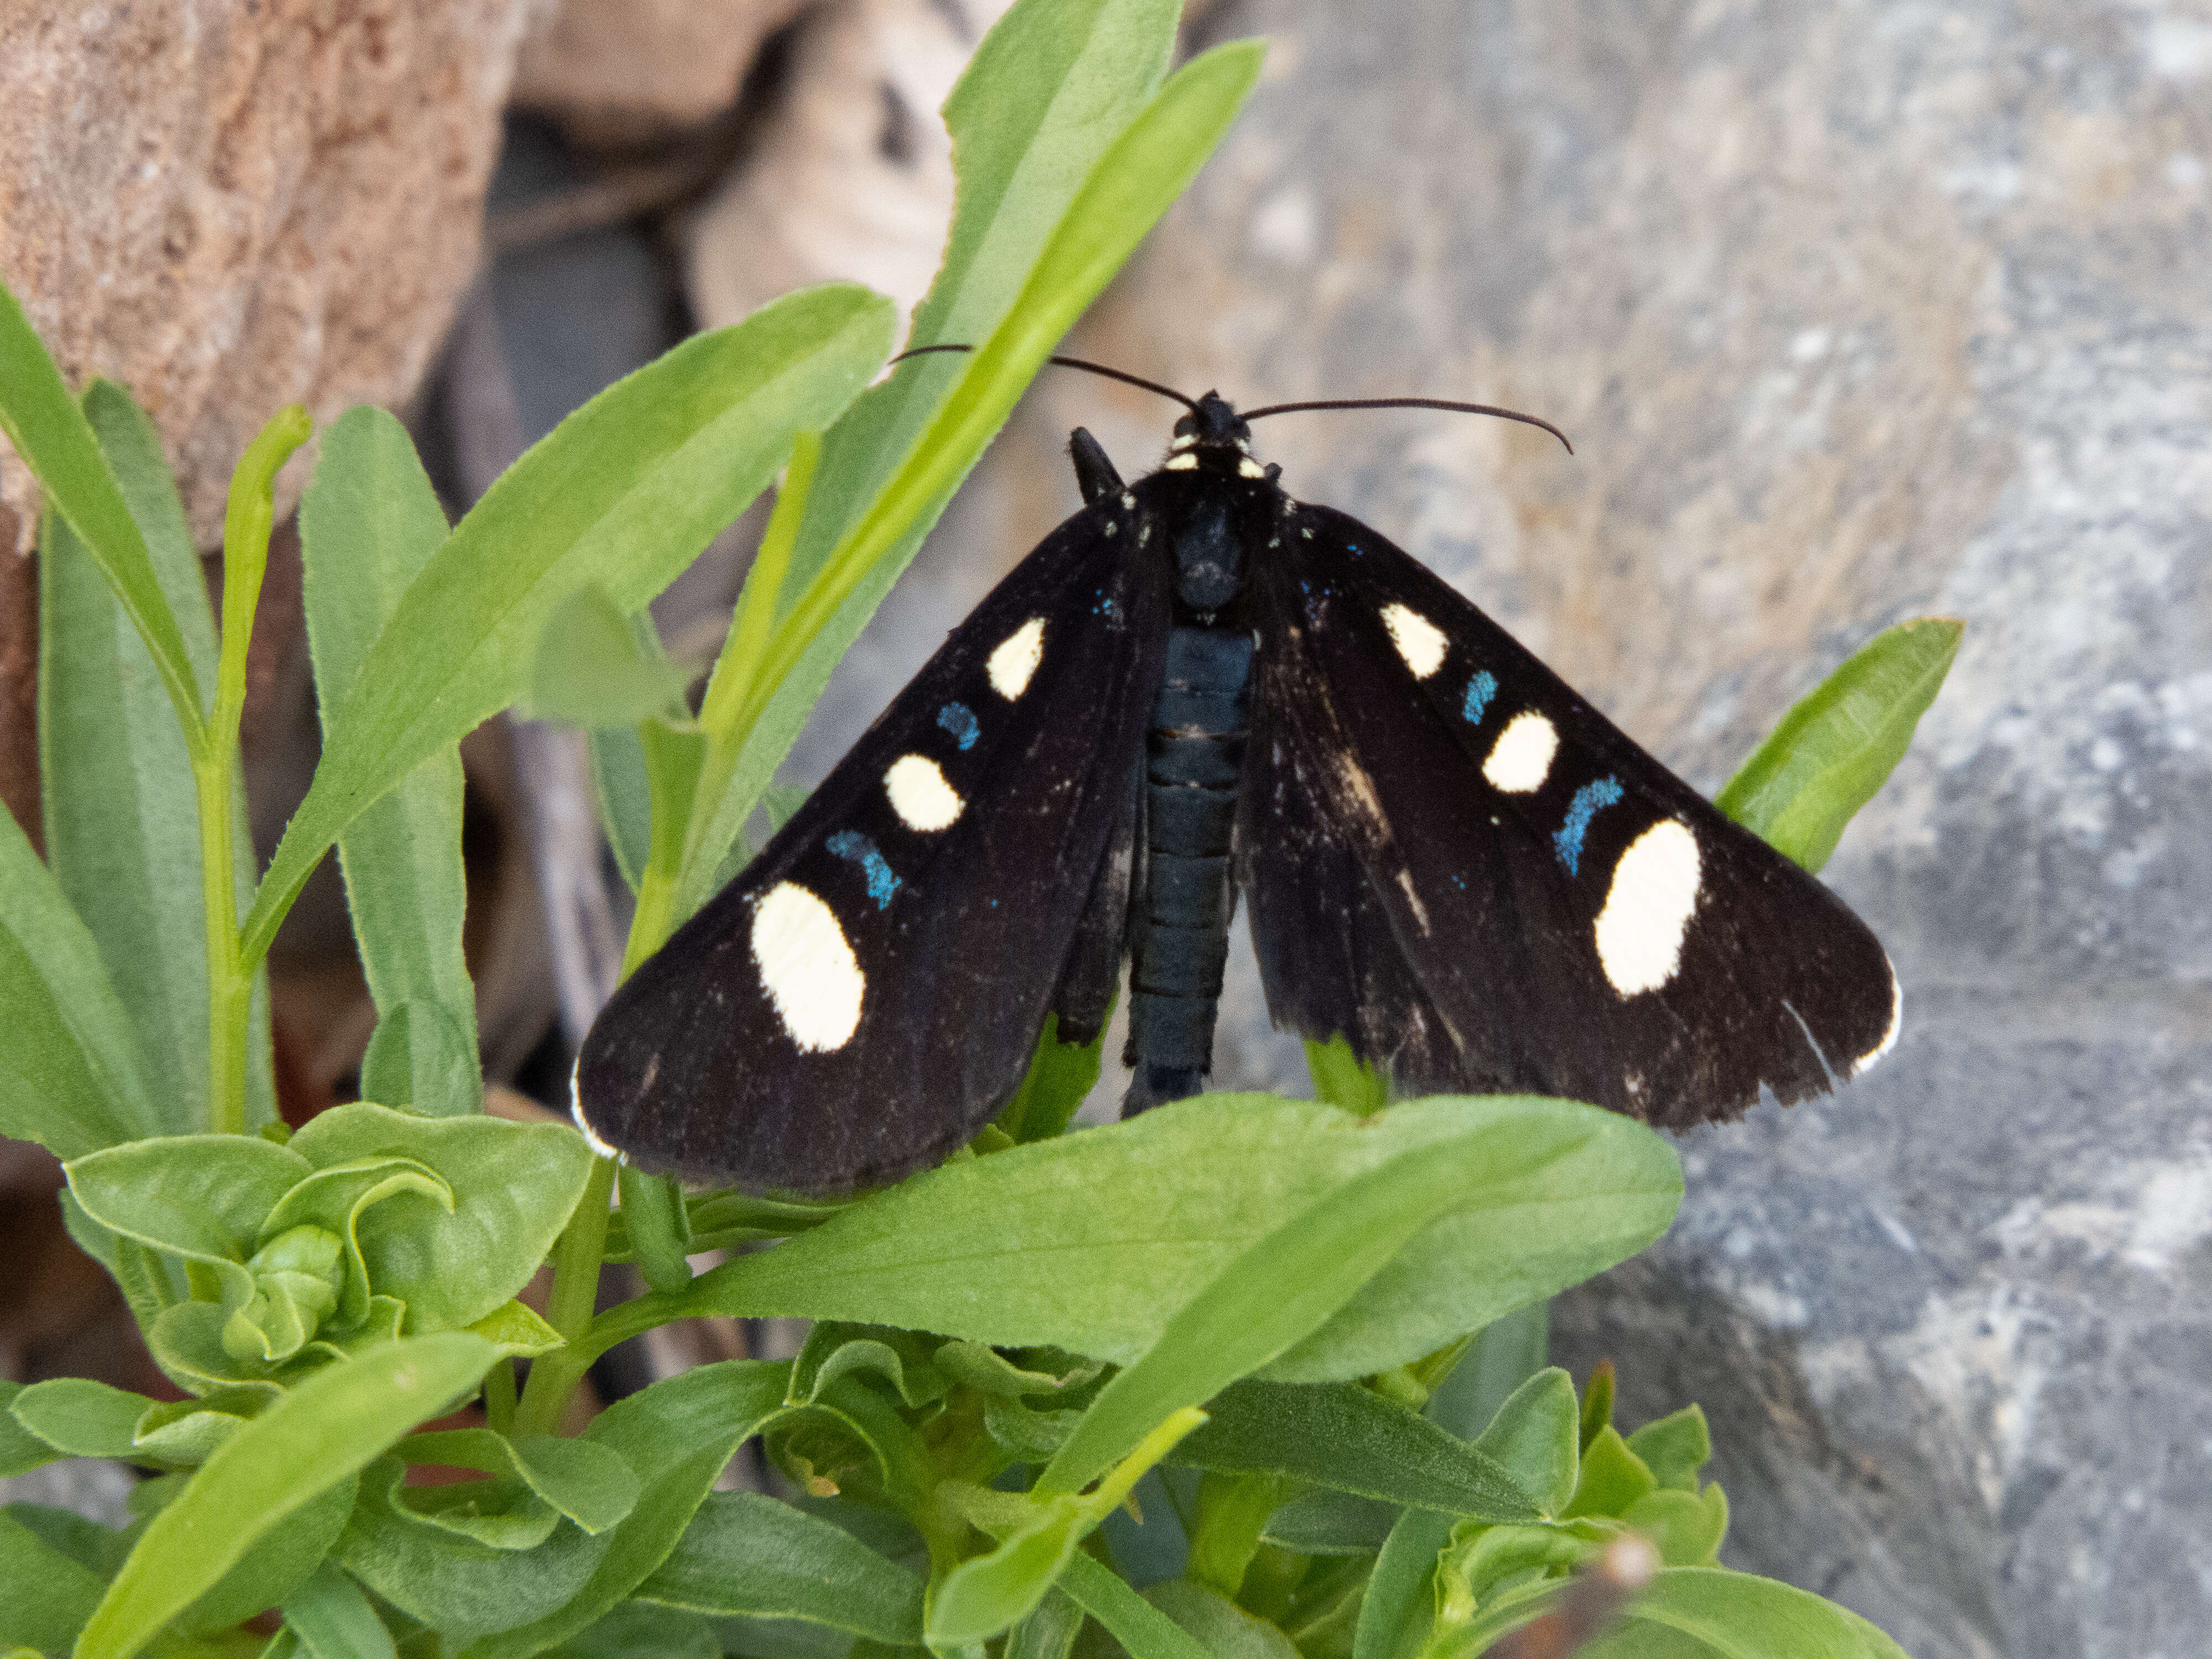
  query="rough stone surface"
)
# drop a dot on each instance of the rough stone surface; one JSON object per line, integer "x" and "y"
{"x": 626, "y": 71}
{"x": 1854, "y": 313}
{"x": 231, "y": 209}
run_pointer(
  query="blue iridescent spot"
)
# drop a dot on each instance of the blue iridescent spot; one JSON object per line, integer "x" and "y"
{"x": 1479, "y": 690}
{"x": 959, "y": 720}
{"x": 851, "y": 844}
{"x": 1589, "y": 800}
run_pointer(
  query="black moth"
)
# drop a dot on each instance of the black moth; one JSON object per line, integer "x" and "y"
{"x": 1197, "y": 687}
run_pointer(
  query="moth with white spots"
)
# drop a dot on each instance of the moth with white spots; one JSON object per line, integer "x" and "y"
{"x": 1448, "y": 857}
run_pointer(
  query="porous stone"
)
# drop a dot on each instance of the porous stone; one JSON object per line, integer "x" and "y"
{"x": 229, "y": 208}
{"x": 617, "y": 72}
{"x": 1855, "y": 313}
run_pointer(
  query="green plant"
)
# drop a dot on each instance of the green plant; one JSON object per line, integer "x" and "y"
{"x": 1010, "y": 1356}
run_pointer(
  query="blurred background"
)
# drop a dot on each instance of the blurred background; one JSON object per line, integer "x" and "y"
{"x": 1854, "y": 313}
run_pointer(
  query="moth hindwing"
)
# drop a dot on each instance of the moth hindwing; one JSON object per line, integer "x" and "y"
{"x": 1198, "y": 687}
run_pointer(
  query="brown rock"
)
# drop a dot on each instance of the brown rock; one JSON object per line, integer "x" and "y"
{"x": 616, "y": 72}
{"x": 230, "y": 209}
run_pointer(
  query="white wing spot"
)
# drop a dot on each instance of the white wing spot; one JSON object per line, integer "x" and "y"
{"x": 1896, "y": 1024}
{"x": 1017, "y": 659}
{"x": 1648, "y": 908}
{"x": 1128, "y": 498}
{"x": 1182, "y": 463}
{"x": 1520, "y": 759}
{"x": 919, "y": 794}
{"x": 809, "y": 971}
{"x": 1419, "y": 641}
{"x": 1248, "y": 468}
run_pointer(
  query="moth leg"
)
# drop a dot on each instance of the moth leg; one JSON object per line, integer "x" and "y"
{"x": 1094, "y": 474}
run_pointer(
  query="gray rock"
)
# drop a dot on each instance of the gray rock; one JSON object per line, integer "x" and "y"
{"x": 1854, "y": 313}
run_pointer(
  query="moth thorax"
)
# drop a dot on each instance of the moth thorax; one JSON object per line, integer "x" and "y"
{"x": 1209, "y": 573}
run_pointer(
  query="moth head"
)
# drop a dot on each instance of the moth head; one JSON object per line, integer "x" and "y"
{"x": 1212, "y": 426}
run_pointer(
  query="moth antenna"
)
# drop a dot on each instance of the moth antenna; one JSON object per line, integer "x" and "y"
{"x": 1139, "y": 380}
{"x": 1411, "y": 403}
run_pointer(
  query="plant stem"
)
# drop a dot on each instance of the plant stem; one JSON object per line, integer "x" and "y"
{"x": 248, "y": 516}
{"x": 576, "y": 1261}
{"x": 728, "y": 713}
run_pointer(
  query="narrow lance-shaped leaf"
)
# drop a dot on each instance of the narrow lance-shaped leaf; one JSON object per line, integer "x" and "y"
{"x": 119, "y": 798}
{"x": 1280, "y": 1289}
{"x": 1836, "y": 746}
{"x": 368, "y": 523}
{"x": 1562, "y": 1191}
{"x": 623, "y": 493}
{"x": 50, "y": 433}
{"x": 68, "y": 1063}
{"x": 320, "y": 1433}
{"x": 748, "y": 1556}
{"x": 1133, "y": 182}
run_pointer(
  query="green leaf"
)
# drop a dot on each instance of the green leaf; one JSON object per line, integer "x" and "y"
{"x": 1839, "y": 743}
{"x": 1597, "y": 1402}
{"x": 462, "y": 1587}
{"x": 1342, "y": 1079}
{"x": 600, "y": 667}
{"x": 55, "y": 440}
{"x": 743, "y": 1555}
{"x": 1331, "y": 1523}
{"x": 1688, "y": 1529}
{"x": 1142, "y": 1628}
{"x": 318, "y": 1436}
{"x": 1534, "y": 1436}
{"x": 1049, "y": 1632}
{"x": 1674, "y": 1448}
{"x": 635, "y": 1631}
{"x": 588, "y": 1483}
{"x": 513, "y": 1186}
{"x": 1217, "y": 1624}
{"x": 1138, "y": 173}
{"x": 1709, "y": 1613}
{"x": 48, "y": 1596}
{"x": 1350, "y": 1439}
{"x": 658, "y": 1228}
{"x": 201, "y": 1197}
{"x": 119, "y": 796}
{"x": 1279, "y": 1291}
{"x": 21, "y": 1451}
{"x": 677, "y": 1435}
{"x": 622, "y": 790}
{"x": 368, "y": 524}
{"x": 68, "y": 1062}
{"x": 623, "y": 493}
{"x": 332, "y": 1619}
{"x": 185, "y": 1433}
{"x": 1561, "y": 1191}
{"x": 1399, "y": 1606}
{"x": 1505, "y": 1354}
{"x": 833, "y": 1350}
{"x": 1060, "y": 1075}
{"x": 80, "y": 1417}
{"x": 1610, "y": 1478}
{"x": 274, "y": 1565}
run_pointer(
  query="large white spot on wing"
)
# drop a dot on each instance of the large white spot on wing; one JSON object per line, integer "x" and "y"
{"x": 1648, "y": 908}
{"x": 809, "y": 969}
{"x": 919, "y": 794}
{"x": 1419, "y": 641}
{"x": 1017, "y": 659}
{"x": 1520, "y": 759}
